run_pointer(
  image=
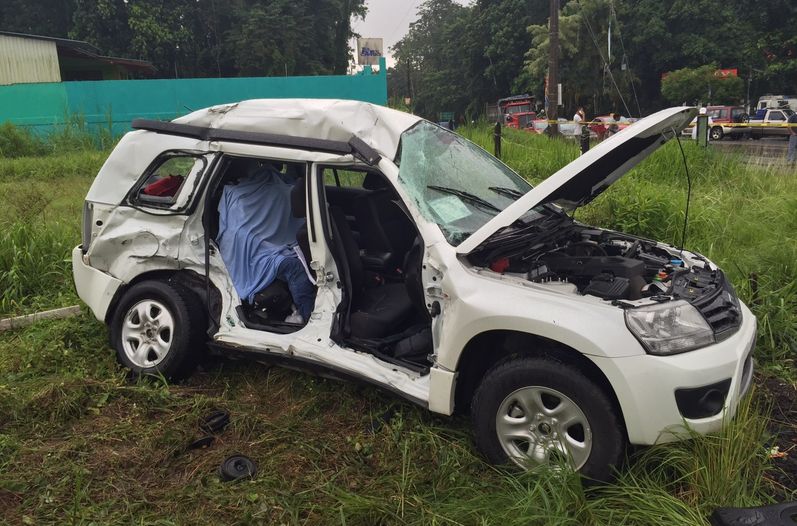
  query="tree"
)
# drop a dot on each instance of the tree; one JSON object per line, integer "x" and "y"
{"x": 701, "y": 86}
{"x": 38, "y": 17}
{"x": 214, "y": 38}
{"x": 589, "y": 76}
{"x": 429, "y": 57}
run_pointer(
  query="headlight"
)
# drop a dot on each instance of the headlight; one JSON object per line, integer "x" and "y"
{"x": 669, "y": 328}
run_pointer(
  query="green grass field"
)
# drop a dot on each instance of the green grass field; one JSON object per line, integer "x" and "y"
{"x": 82, "y": 444}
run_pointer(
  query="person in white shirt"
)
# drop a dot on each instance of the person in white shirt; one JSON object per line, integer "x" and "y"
{"x": 578, "y": 118}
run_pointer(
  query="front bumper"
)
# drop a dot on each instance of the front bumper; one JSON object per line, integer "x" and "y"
{"x": 645, "y": 385}
{"x": 95, "y": 288}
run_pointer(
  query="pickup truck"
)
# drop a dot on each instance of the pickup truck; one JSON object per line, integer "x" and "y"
{"x": 767, "y": 123}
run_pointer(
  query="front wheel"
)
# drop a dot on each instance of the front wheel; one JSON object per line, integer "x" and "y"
{"x": 158, "y": 328}
{"x": 538, "y": 411}
{"x": 716, "y": 133}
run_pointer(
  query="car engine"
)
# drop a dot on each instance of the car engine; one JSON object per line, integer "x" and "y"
{"x": 597, "y": 262}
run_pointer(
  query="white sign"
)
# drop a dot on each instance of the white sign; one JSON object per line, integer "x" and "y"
{"x": 368, "y": 51}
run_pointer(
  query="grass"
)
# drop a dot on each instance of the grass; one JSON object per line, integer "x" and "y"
{"x": 40, "y": 218}
{"x": 80, "y": 443}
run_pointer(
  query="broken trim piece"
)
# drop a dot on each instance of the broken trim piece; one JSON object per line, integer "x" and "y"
{"x": 355, "y": 145}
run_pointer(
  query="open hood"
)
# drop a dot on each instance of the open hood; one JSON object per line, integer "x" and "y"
{"x": 587, "y": 177}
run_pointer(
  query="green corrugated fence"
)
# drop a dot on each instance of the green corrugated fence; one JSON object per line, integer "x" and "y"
{"x": 115, "y": 103}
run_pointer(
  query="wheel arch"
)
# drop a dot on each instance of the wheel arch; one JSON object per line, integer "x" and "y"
{"x": 486, "y": 349}
{"x": 187, "y": 279}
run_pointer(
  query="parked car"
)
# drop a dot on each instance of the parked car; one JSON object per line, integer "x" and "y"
{"x": 777, "y": 102}
{"x": 769, "y": 123}
{"x": 438, "y": 274}
{"x": 723, "y": 119}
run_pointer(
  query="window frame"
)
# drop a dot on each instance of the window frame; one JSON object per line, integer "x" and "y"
{"x": 193, "y": 183}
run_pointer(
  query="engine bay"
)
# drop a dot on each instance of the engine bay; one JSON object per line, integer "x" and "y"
{"x": 601, "y": 263}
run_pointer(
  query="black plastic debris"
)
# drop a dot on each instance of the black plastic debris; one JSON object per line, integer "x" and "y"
{"x": 201, "y": 443}
{"x": 237, "y": 467}
{"x": 215, "y": 422}
{"x": 783, "y": 514}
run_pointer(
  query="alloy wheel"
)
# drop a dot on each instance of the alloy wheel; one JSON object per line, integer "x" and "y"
{"x": 538, "y": 425}
{"x": 147, "y": 333}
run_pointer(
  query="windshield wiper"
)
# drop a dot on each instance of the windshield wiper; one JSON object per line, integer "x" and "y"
{"x": 467, "y": 196}
{"x": 508, "y": 192}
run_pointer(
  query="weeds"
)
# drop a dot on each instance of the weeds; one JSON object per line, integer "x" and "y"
{"x": 73, "y": 135}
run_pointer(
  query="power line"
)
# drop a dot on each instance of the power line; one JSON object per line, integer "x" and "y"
{"x": 606, "y": 64}
{"x": 625, "y": 57}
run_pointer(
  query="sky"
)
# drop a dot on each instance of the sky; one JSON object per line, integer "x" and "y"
{"x": 390, "y": 20}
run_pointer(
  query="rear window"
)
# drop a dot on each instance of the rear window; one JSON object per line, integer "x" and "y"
{"x": 165, "y": 183}
{"x": 718, "y": 113}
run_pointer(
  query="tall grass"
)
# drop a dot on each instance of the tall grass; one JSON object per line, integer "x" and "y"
{"x": 40, "y": 214}
{"x": 74, "y": 134}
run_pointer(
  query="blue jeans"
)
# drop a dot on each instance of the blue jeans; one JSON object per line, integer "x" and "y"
{"x": 292, "y": 272}
{"x": 792, "y": 155}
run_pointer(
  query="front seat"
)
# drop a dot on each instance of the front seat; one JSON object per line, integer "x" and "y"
{"x": 384, "y": 227}
{"x": 375, "y": 312}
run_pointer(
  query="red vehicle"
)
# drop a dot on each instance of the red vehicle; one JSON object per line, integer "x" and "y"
{"x": 722, "y": 116}
{"x": 518, "y": 111}
{"x": 602, "y": 125}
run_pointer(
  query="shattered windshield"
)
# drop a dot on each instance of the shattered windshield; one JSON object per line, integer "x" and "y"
{"x": 454, "y": 183}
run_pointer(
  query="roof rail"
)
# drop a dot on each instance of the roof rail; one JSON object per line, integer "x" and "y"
{"x": 355, "y": 145}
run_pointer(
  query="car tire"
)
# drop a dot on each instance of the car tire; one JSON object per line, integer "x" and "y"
{"x": 158, "y": 328}
{"x": 716, "y": 133}
{"x": 532, "y": 396}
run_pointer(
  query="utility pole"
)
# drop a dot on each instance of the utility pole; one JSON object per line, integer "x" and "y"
{"x": 553, "y": 70}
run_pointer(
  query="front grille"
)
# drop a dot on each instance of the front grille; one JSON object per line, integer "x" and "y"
{"x": 721, "y": 310}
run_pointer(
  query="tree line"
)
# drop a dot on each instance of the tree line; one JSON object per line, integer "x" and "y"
{"x": 201, "y": 38}
{"x": 457, "y": 58}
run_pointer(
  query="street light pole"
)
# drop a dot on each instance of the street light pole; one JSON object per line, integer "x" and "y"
{"x": 553, "y": 69}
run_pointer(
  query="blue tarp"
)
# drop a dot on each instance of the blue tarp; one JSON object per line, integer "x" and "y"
{"x": 256, "y": 229}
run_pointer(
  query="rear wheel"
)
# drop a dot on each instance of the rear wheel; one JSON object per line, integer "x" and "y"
{"x": 716, "y": 133}
{"x": 158, "y": 328}
{"x": 538, "y": 411}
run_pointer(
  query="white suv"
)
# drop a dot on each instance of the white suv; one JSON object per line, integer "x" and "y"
{"x": 361, "y": 242}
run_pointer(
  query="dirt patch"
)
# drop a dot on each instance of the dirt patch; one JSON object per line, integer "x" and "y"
{"x": 783, "y": 427}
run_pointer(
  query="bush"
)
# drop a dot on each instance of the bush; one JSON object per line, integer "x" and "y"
{"x": 75, "y": 134}
{"x": 19, "y": 142}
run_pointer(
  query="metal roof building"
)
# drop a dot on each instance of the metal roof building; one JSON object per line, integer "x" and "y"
{"x": 28, "y": 59}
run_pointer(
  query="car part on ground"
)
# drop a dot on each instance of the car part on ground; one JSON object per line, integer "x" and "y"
{"x": 782, "y": 514}
{"x": 201, "y": 443}
{"x": 237, "y": 467}
{"x": 215, "y": 422}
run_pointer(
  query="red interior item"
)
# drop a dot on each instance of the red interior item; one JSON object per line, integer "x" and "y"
{"x": 165, "y": 187}
{"x": 500, "y": 265}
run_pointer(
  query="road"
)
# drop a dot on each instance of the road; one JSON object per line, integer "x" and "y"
{"x": 766, "y": 151}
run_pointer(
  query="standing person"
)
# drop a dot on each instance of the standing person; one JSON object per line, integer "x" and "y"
{"x": 578, "y": 118}
{"x": 613, "y": 125}
{"x": 791, "y": 156}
